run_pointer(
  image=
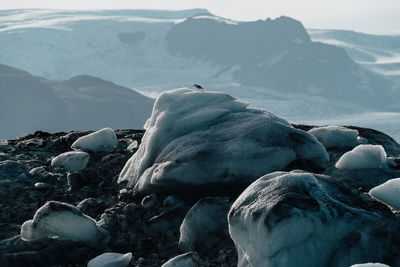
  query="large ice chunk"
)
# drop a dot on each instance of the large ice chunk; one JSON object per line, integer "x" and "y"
{"x": 298, "y": 219}
{"x": 103, "y": 140}
{"x": 335, "y": 136}
{"x": 62, "y": 220}
{"x": 111, "y": 259}
{"x": 363, "y": 157}
{"x": 388, "y": 193}
{"x": 195, "y": 138}
{"x": 205, "y": 227}
{"x": 71, "y": 161}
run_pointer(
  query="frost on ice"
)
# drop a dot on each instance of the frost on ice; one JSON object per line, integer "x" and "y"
{"x": 195, "y": 138}
{"x": 388, "y": 193}
{"x": 369, "y": 265}
{"x": 62, "y": 220}
{"x": 71, "y": 161}
{"x": 103, "y": 140}
{"x": 111, "y": 259}
{"x": 335, "y": 136}
{"x": 299, "y": 219}
{"x": 363, "y": 157}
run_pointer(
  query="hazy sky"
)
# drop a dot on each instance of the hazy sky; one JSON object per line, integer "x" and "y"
{"x": 378, "y": 16}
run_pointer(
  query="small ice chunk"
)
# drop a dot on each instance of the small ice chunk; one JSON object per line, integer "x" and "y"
{"x": 133, "y": 145}
{"x": 388, "y": 193}
{"x": 71, "y": 161}
{"x": 370, "y": 265}
{"x": 111, "y": 259}
{"x": 103, "y": 140}
{"x": 363, "y": 157}
{"x": 190, "y": 259}
{"x": 62, "y": 220}
{"x": 335, "y": 136}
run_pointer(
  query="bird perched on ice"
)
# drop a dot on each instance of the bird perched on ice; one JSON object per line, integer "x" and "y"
{"x": 197, "y": 86}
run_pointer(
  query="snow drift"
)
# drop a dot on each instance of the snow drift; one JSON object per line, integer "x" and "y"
{"x": 196, "y": 138}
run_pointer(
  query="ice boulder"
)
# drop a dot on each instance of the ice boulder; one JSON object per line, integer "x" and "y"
{"x": 71, "y": 161}
{"x": 363, "y": 157}
{"x": 190, "y": 259}
{"x": 195, "y": 138}
{"x": 298, "y": 219}
{"x": 335, "y": 136}
{"x": 103, "y": 140}
{"x": 388, "y": 193}
{"x": 61, "y": 220}
{"x": 205, "y": 226}
{"x": 111, "y": 259}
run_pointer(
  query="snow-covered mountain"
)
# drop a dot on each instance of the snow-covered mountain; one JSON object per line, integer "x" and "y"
{"x": 272, "y": 64}
{"x": 29, "y": 103}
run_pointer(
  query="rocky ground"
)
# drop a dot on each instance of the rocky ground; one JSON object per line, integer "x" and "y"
{"x": 28, "y": 181}
{"x": 147, "y": 226}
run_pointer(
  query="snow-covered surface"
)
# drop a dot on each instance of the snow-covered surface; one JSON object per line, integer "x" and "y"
{"x": 190, "y": 259}
{"x": 195, "y": 137}
{"x": 103, "y": 140}
{"x": 111, "y": 259}
{"x": 388, "y": 193}
{"x": 72, "y": 160}
{"x": 335, "y": 136}
{"x": 363, "y": 157}
{"x": 294, "y": 219}
{"x": 62, "y": 220}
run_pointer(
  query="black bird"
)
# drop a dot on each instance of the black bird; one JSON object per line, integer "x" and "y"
{"x": 197, "y": 86}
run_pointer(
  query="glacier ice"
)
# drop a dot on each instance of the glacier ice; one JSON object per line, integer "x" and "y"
{"x": 72, "y": 160}
{"x": 335, "y": 136}
{"x": 111, "y": 259}
{"x": 205, "y": 225}
{"x": 298, "y": 219}
{"x": 196, "y": 138}
{"x": 388, "y": 193}
{"x": 62, "y": 220}
{"x": 363, "y": 157}
{"x": 103, "y": 140}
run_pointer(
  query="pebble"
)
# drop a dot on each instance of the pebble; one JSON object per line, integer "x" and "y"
{"x": 149, "y": 201}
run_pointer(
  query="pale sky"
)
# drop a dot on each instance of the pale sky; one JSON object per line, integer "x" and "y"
{"x": 375, "y": 16}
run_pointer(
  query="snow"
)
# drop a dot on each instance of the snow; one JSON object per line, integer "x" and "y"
{"x": 388, "y": 193}
{"x": 294, "y": 219}
{"x": 335, "y": 136}
{"x": 103, "y": 140}
{"x": 195, "y": 137}
{"x": 363, "y": 157}
{"x": 61, "y": 220}
{"x": 190, "y": 259}
{"x": 71, "y": 161}
{"x": 111, "y": 259}
{"x": 370, "y": 265}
